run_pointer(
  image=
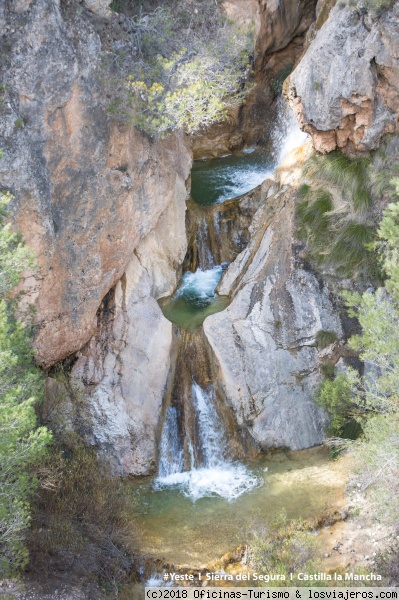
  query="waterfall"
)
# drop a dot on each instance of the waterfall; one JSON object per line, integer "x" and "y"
{"x": 199, "y": 287}
{"x": 205, "y": 256}
{"x": 286, "y": 134}
{"x": 210, "y": 432}
{"x": 171, "y": 455}
{"x": 211, "y": 474}
{"x": 193, "y": 448}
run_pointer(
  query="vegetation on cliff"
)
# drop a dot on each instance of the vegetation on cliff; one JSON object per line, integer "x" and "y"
{"x": 22, "y": 442}
{"x": 373, "y": 398}
{"x": 188, "y": 64}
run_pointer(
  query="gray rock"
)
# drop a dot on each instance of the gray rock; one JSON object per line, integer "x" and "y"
{"x": 345, "y": 88}
{"x": 264, "y": 342}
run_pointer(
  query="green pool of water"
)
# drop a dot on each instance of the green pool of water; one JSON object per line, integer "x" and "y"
{"x": 172, "y": 527}
{"x": 217, "y": 179}
{"x": 187, "y": 314}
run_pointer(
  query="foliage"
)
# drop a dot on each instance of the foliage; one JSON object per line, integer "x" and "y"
{"x": 349, "y": 175}
{"x": 287, "y": 547}
{"x": 374, "y": 5}
{"x": 377, "y": 466}
{"x": 189, "y": 66}
{"x": 15, "y": 257}
{"x": 337, "y": 212}
{"x": 81, "y": 514}
{"x": 21, "y": 441}
{"x": 324, "y": 338}
{"x": 350, "y": 250}
{"x": 338, "y": 398}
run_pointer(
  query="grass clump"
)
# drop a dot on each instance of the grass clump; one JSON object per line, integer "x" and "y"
{"x": 312, "y": 214}
{"x": 339, "y": 206}
{"x": 325, "y": 338}
{"x": 350, "y": 250}
{"x": 349, "y": 175}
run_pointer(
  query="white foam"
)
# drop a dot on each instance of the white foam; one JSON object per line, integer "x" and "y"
{"x": 286, "y": 134}
{"x": 243, "y": 181}
{"x": 201, "y": 285}
{"x": 228, "y": 481}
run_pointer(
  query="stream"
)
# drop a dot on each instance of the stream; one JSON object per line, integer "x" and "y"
{"x": 209, "y": 493}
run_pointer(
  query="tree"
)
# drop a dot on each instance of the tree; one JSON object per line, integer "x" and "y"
{"x": 22, "y": 442}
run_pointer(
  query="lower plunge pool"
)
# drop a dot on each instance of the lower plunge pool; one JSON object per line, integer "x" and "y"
{"x": 195, "y": 298}
{"x": 181, "y": 531}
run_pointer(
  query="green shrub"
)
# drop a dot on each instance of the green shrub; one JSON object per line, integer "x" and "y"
{"x": 337, "y": 397}
{"x": 286, "y": 547}
{"x": 312, "y": 215}
{"x": 374, "y": 5}
{"x": 22, "y": 442}
{"x": 324, "y": 338}
{"x": 190, "y": 65}
{"x": 350, "y": 252}
{"x": 349, "y": 175}
{"x": 328, "y": 370}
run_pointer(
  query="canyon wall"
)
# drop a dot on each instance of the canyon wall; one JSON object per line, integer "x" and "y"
{"x": 345, "y": 90}
{"x": 88, "y": 189}
{"x": 279, "y": 28}
{"x": 104, "y": 208}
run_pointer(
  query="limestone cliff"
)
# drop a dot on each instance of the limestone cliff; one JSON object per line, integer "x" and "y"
{"x": 88, "y": 189}
{"x": 104, "y": 209}
{"x": 265, "y": 341}
{"x": 345, "y": 89}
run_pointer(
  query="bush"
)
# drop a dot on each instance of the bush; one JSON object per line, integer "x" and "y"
{"x": 337, "y": 397}
{"x": 350, "y": 251}
{"x": 324, "y": 338}
{"x": 339, "y": 225}
{"x": 80, "y": 518}
{"x": 287, "y": 547}
{"x": 22, "y": 442}
{"x": 349, "y": 175}
{"x": 188, "y": 66}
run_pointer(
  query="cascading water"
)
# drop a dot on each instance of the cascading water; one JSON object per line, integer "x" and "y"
{"x": 286, "y": 135}
{"x": 215, "y": 180}
{"x": 210, "y": 474}
{"x": 193, "y": 453}
{"x": 171, "y": 456}
{"x": 205, "y": 256}
{"x": 199, "y": 287}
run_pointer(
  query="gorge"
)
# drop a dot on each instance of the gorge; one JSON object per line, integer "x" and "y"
{"x": 177, "y": 308}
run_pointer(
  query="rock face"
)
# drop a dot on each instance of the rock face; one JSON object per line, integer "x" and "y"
{"x": 264, "y": 342}
{"x": 88, "y": 191}
{"x": 345, "y": 90}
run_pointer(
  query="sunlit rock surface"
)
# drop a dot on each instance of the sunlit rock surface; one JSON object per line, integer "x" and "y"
{"x": 345, "y": 90}
{"x": 88, "y": 189}
{"x": 264, "y": 342}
